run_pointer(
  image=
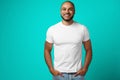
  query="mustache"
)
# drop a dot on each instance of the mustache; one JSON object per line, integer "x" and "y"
{"x": 67, "y": 13}
{"x": 67, "y": 19}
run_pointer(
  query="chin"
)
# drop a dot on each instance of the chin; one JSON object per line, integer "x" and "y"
{"x": 67, "y": 19}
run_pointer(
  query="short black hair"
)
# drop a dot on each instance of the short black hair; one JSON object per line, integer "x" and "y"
{"x": 70, "y": 3}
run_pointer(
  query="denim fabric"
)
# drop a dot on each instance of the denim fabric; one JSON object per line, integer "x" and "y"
{"x": 68, "y": 76}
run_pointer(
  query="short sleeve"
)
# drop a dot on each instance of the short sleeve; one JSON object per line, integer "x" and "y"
{"x": 86, "y": 34}
{"x": 49, "y": 36}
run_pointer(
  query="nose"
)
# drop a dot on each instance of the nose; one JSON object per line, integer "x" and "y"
{"x": 67, "y": 11}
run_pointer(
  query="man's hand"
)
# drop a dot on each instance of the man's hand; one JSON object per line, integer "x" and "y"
{"x": 55, "y": 72}
{"x": 81, "y": 72}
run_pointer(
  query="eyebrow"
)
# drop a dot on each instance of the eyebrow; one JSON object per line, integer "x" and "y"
{"x": 68, "y": 8}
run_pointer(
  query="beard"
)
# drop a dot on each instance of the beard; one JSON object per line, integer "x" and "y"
{"x": 67, "y": 19}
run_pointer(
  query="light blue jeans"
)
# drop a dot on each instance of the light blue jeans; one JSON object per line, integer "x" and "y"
{"x": 68, "y": 76}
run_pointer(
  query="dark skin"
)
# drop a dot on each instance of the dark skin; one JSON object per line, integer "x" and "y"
{"x": 47, "y": 55}
{"x": 88, "y": 49}
{"x": 82, "y": 71}
{"x": 67, "y": 11}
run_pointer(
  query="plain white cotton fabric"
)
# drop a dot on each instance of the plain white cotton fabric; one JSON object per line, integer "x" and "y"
{"x": 67, "y": 41}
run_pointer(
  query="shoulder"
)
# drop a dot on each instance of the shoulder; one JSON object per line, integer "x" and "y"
{"x": 53, "y": 27}
{"x": 81, "y": 26}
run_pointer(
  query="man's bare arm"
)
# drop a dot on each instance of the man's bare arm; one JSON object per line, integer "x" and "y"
{"x": 47, "y": 55}
{"x": 48, "y": 59}
{"x": 88, "y": 58}
{"x": 88, "y": 49}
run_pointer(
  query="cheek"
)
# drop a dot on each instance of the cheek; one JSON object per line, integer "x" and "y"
{"x": 72, "y": 12}
{"x": 61, "y": 12}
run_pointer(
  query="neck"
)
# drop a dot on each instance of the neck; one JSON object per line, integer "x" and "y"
{"x": 67, "y": 22}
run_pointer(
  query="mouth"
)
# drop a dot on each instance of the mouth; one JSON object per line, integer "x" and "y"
{"x": 66, "y": 15}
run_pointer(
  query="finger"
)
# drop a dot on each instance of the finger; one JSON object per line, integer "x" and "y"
{"x": 79, "y": 72}
{"x": 61, "y": 74}
{"x": 76, "y": 74}
{"x": 82, "y": 73}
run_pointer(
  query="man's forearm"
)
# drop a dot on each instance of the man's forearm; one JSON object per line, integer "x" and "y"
{"x": 48, "y": 60}
{"x": 88, "y": 59}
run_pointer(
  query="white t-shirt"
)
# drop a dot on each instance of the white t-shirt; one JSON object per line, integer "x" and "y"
{"x": 67, "y": 41}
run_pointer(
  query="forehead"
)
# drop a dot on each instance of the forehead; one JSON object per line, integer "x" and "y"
{"x": 67, "y": 5}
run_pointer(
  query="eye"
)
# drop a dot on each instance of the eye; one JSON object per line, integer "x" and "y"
{"x": 63, "y": 9}
{"x": 71, "y": 9}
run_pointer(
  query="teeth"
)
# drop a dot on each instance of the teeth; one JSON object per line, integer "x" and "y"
{"x": 66, "y": 15}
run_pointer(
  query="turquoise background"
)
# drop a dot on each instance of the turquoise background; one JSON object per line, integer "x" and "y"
{"x": 23, "y": 26}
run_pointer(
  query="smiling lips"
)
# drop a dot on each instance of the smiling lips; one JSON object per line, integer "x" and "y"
{"x": 66, "y": 15}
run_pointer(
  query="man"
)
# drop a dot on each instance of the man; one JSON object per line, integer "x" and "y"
{"x": 67, "y": 37}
